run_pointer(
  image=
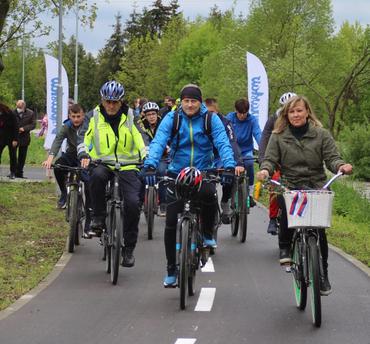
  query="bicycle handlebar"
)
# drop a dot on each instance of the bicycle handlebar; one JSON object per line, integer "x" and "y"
{"x": 115, "y": 164}
{"x": 67, "y": 167}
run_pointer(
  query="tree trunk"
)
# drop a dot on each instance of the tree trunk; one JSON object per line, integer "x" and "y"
{"x": 4, "y": 8}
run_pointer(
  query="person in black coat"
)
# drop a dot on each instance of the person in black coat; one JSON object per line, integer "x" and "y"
{"x": 8, "y": 136}
{"x": 26, "y": 122}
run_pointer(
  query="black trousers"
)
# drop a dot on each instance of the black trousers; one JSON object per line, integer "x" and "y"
{"x": 12, "y": 156}
{"x": 21, "y": 160}
{"x": 130, "y": 186}
{"x": 208, "y": 202}
{"x": 286, "y": 234}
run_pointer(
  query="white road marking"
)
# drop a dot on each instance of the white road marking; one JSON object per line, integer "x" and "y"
{"x": 209, "y": 267}
{"x": 185, "y": 341}
{"x": 205, "y": 301}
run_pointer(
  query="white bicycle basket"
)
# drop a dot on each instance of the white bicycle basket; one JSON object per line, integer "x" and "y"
{"x": 309, "y": 208}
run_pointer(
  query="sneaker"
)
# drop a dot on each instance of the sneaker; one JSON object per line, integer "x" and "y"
{"x": 11, "y": 176}
{"x": 170, "y": 281}
{"x": 325, "y": 287}
{"x": 96, "y": 226}
{"x": 128, "y": 259}
{"x": 285, "y": 256}
{"x": 272, "y": 228}
{"x": 62, "y": 202}
{"x": 252, "y": 203}
{"x": 86, "y": 235}
{"x": 162, "y": 210}
{"x": 209, "y": 242}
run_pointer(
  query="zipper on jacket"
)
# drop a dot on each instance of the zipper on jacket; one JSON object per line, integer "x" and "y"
{"x": 192, "y": 142}
{"x": 107, "y": 140}
{"x": 124, "y": 143}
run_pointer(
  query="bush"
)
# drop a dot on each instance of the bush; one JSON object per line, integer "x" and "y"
{"x": 355, "y": 148}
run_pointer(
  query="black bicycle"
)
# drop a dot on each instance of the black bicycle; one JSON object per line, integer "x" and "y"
{"x": 190, "y": 250}
{"x": 150, "y": 207}
{"x": 113, "y": 232}
{"x": 308, "y": 211}
{"x": 75, "y": 210}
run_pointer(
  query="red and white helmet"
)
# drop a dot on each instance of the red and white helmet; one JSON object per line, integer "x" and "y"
{"x": 188, "y": 182}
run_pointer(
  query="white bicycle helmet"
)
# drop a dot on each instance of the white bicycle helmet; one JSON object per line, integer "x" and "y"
{"x": 112, "y": 90}
{"x": 150, "y": 106}
{"x": 285, "y": 97}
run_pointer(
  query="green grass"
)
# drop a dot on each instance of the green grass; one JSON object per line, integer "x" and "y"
{"x": 32, "y": 237}
{"x": 36, "y": 153}
{"x": 350, "y": 229}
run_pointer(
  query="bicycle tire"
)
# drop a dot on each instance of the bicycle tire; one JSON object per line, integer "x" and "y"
{"x": 183, "y": 266}
{"x": 116, "y": 230}
{"x": 193, "y": 260}
{"x": 299, "y": 282}
{"x": 314, "y": 277}
{"x": 234, "y": 222}
{"x": 81, "y": 220}
{"x": 150, "y": 211}
{"x": 243, "y": 209}
{"x": 73, "y": 221}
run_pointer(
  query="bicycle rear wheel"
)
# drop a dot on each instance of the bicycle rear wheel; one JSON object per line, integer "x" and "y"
{"x": 116, "y": 233}
{"x": 73, "y": 221}
{"x": 81, "y": 219}
{"x": 234, "y": 208}
{"x": 314, "y": 276}
{"x": 151, "y": 199}
{"x": 183, "y": 263}
{"x": 243, "y": 198}
{"x": 299, "y": 283}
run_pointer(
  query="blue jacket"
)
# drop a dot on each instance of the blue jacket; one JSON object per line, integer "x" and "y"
{"x": 245, "y": 131}
{"x": 191, "y": 146}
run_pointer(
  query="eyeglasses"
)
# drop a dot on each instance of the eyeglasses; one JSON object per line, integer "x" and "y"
{"x": 113, "y": 102}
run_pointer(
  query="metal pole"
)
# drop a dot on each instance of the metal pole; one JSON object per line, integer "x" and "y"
{"x": 76, "y": 58}
{"x": 60, "y": 86}
{"x": 23, "y": 62}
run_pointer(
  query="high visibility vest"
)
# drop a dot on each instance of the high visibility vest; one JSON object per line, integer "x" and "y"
{"x": 101, "y": 142}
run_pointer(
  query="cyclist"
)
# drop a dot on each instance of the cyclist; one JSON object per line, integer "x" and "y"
{"x": 69, "y": 131}
{"x": 266, "y": 133}
{"x": 113, "y": 137}
{"x": 149, "y": 125}
{"x": 299, "y": 146}
{"x": 190, "y": 147}
{"x": 212, "y": 106}
{"x": 246, "y": 128}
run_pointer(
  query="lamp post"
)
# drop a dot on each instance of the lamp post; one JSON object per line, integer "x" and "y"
{"x": 60, "y": 86}
{"x": 76, "y": 57}
{"x": 23, "y": 62}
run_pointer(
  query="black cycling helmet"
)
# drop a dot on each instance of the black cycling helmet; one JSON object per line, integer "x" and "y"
{"x": 188, "y": 183}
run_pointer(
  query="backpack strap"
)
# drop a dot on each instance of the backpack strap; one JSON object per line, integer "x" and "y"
{"x": 208, "y": 125}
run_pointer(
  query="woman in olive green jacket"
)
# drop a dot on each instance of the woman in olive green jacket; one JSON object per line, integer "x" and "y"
{"x": 299, "y": 147}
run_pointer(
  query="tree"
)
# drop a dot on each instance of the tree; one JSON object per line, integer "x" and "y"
{"x": 15, "y": 14}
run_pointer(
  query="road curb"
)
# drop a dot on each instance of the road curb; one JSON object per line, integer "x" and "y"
{"x": 346, "y": 256}
{"x": 58, "y": 268}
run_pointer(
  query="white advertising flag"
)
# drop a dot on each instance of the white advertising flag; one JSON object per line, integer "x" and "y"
{"x": 258, "y": 90}
{"x": 51, "y": 64}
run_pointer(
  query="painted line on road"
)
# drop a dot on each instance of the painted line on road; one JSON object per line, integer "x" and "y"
{"x": 185, "y": 341}
{"x": 205, "y": 300}
{"x": 209, "y": 267}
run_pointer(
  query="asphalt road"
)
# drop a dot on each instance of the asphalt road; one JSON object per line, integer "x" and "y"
{"x": 253, "y": 300}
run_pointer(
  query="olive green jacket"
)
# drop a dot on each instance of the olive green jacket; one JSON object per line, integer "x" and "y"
{"x": 301, "y": 162}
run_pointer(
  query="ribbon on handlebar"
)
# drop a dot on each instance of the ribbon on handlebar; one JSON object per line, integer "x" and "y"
{"x": 297, "y": 197}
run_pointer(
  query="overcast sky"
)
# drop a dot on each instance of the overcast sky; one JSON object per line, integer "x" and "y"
{"x": 95, "y": 39}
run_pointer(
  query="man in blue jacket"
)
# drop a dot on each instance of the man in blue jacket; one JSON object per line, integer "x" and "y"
{"x": 246, "y": 128}
{"x": 191, "y": 146}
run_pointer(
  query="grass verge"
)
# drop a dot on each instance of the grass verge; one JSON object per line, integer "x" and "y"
{"x": 32, "y": 237}
{"x": 350, "y": 229}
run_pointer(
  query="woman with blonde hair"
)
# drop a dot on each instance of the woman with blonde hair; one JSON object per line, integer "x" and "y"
{"x": 299, "y": 147}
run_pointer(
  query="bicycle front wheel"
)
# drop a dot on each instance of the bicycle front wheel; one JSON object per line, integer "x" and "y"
{"x": 234, "y": 215}
{"x": 299, "y": 283}
{"x": 183, "y": 260}
{"x": 73, "y": 220}
{"x": 243, "y": 201}
{"x": 151, "y": 199}
{"x": 314, "y": 277}
{"x": 116, "y": 233}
